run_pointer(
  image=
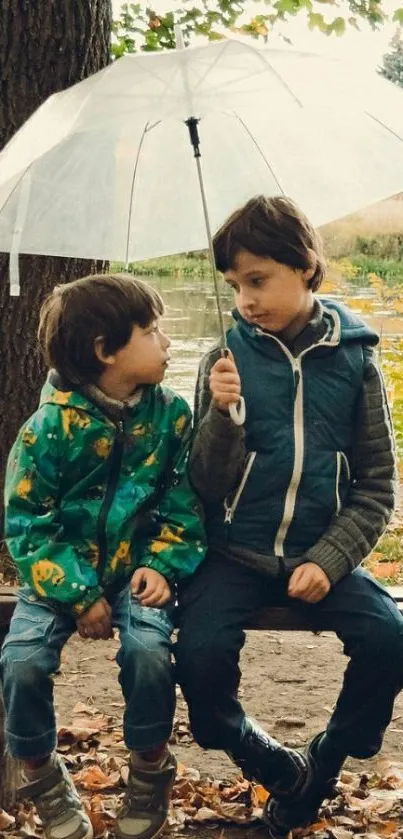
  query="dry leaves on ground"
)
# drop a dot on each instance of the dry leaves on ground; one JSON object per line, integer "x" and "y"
{"x": 94, "y": 753}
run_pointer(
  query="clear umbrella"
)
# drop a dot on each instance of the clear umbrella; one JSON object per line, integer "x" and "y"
{"x": 104, "y": 170}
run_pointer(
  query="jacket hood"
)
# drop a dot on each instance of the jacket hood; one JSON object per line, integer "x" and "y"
{"x": 352, "y": 326}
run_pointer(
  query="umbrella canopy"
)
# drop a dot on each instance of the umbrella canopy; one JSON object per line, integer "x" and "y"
{"x": 105, "y": 170}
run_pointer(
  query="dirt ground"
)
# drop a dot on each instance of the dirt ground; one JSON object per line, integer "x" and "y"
{"x": 290, "y": 683}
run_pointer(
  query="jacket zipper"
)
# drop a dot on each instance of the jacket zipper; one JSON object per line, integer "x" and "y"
{"x": 299, "y": 437}
{"x": 299, "y": 451}
{"x": 291, "y": 495}
{"x": 340, "y": 459}
{"x": 344, "y": 459}
{"x": 113, "y": 478}
{"x": 338, "y": 471}
{"x": 230, "y": 510}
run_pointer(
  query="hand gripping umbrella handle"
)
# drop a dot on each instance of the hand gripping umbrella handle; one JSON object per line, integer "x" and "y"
{"x": 237, "y": 411}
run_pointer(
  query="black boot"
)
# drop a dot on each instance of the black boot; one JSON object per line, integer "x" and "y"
{"x": 281, "y": 770}
{"x": 301, "y": 808}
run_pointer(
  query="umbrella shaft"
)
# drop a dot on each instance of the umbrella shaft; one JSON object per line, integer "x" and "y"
{"x": 223, "y": 336}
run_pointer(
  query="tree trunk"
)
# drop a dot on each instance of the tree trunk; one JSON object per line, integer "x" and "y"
{"x": 45, "y": 46}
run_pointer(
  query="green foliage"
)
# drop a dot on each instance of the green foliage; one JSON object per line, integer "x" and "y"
{"x": 140, "y": 28}
{"x": 392, "y": 66}
{"x": 180, "y": 265}
{"x": 389, "y": 246}
{"x": 366, "y": 255}
{"x": 391, "y": 271}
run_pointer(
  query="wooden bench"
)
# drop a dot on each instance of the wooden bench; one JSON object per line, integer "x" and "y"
{"x": 293, "y": 618}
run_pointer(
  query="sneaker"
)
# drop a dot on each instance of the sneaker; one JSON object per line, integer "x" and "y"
{"x": 281, "y": 770}
{"x": 301, "y": 809}
{"x": 57, "y": 803}
{"x": 146, "y": 803}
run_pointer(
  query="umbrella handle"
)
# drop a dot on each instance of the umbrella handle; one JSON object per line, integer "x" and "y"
{"x": 237, "y": 411}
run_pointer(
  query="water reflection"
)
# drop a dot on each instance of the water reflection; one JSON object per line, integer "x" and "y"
{"x": 192, "y": 323}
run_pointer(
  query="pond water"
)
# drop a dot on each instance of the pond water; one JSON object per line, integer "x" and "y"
{"x": 191, "y": 322}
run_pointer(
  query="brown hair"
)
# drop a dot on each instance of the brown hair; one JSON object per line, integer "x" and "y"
{"x": 274, "y": 228}
{"x": 74, "y": 315}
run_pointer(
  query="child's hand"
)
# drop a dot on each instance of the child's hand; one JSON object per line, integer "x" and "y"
{"x": 96, "y": 622}
{"x": 309, "y": 583}
{"x": 225, "y": 384}
{"x": 150, "y": 588}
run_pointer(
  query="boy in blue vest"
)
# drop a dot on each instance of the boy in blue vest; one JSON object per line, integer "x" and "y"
{"x": 295, "y": 500}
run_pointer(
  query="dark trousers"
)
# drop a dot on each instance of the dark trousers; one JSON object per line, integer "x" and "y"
{"x": 214, "y": 606}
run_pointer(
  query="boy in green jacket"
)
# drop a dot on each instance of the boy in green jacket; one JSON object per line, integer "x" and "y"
{"x": 101, "y": 522}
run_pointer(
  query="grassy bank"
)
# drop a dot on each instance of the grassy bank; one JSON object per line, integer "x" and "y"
{"x": 180, "y": 265}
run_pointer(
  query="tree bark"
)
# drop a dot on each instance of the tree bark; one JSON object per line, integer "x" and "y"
{"x": 45, "y": 46}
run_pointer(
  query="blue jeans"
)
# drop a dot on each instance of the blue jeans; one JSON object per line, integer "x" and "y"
{"x": 216, "y": 603}
{"x": 31, "y": 654}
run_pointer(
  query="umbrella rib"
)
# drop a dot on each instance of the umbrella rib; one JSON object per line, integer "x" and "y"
{"x": 10, "y": 195}
{"x": 223, "y": 86}
{"x": 285, "y": 85}
{"x": 379, "y": 121}
{"x": 211, "y": 67}
{"x": 129, "y": 221}
{"x": 269, "y": 166}
{"x": 266, "y": 64}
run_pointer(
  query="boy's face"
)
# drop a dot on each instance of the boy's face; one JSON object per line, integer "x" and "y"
{"x": 144, "y": 359}
{"x": 271, "y": 295}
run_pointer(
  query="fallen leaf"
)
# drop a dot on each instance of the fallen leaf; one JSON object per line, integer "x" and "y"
{"x": 235, "y": 812}
{"x": 75, "y": 734}
{"x": 29, "y": 827}
{"x": 82, "y": 708}
{"x": 385, "y": 570}
{"x": 100, "y": 824}
{"x": 319, "y": 826}
{"x": 260, "y": 795}
{"x": 205, "y": 814}
{"x": 188, "y": 772}
{"x": 176, "y": 817}
{"x": 390, "y": 828}
{"x": 344, "y": 821}
{"x": 340, "y": 832}
{"x": 94, "y": 778}
{"x": 347, "y": 777}
{"x": 5, "y": 820}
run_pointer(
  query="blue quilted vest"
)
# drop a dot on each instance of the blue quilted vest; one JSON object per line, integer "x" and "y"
{"x": 300, "y": 414}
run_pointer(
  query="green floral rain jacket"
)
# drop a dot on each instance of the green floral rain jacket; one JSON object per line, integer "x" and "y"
{"x": 97, "y": 488}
